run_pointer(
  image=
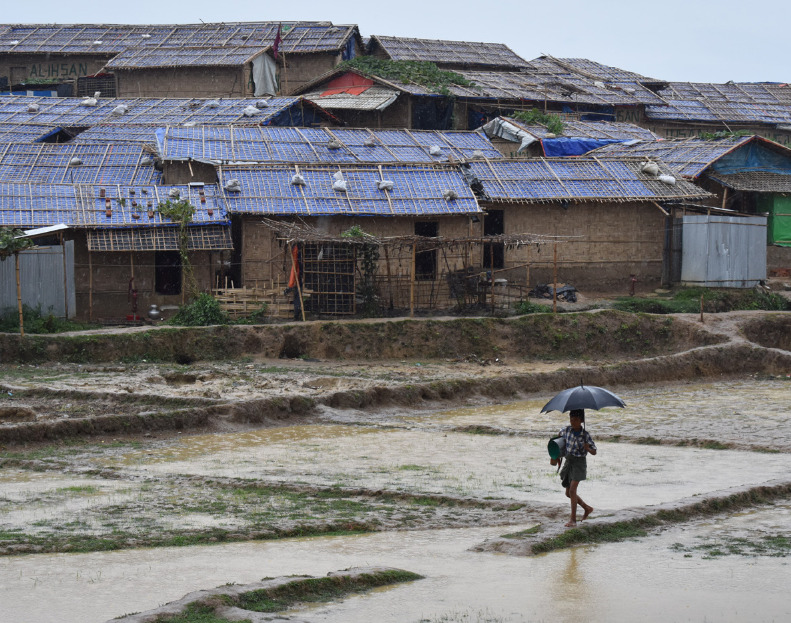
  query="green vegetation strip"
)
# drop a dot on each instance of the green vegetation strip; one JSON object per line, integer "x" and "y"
{"x": 285, "y": 596}
{"x": 638, "y": 527}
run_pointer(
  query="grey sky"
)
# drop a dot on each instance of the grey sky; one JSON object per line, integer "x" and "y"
{"x": 681, "y": 40}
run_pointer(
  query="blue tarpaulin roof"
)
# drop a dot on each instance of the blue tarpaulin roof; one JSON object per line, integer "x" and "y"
{"x": 317, "y": 145}
{"x": 539, "y": 180}
{"x": 568, "y": 146}
{"x": 417, "y": 190}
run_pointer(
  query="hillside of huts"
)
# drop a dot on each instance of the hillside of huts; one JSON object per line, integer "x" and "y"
{"x": 301, "y": 169}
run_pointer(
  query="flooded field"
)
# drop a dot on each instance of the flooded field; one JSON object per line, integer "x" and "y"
{"x": 418, "y": 490}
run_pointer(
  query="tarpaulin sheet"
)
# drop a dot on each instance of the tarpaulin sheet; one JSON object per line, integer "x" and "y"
{"x": 753, "y": 157}
{"x": 779, "y": 226}
{"x": 570, "y": 146}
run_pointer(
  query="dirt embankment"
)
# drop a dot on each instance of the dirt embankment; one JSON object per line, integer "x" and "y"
{"x": 356, "y": 365}
{"x": 604, "y": 335}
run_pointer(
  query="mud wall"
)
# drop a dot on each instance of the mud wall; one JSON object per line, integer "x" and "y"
{"x": 58, "y": 67}
{"x": 184, "y": 82}
{"x": 299, "y": 69}
{"x": 604, "y": 243}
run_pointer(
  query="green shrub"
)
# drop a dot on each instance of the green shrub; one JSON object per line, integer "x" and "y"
{"x": 526, "y": 307}
{"x": 202, "y": 311}
{"x": 36, "y": 322}
{"x": 687, "y": 301}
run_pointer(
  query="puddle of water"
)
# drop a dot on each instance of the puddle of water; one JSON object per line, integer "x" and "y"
{"x": 643, "y": 580}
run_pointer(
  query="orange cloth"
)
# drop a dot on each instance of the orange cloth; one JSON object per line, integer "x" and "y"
{"x": 292, "y": 280}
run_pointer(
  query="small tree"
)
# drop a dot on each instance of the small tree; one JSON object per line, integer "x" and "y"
{"x": 11, "y": 243}
{"x": 369, "y": 260}
{"x": 181, "y": 212}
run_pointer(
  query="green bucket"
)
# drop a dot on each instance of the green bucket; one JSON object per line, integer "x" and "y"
{"x": 556, "y": 447}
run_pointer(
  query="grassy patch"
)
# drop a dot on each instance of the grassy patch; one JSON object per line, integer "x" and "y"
{"x": 621, "y": 530}
{"x": 777, "y": 546}
{"x": 687, "y": 301}
{"x": 523, "y": 533}
{"x": 195, "y": 613}
{"x": 319, "y": 590}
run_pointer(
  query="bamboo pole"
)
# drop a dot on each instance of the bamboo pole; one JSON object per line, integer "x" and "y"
{"x": 389, "y": 281}
{"x": 65, "y": 280}
{"x": 554, "y": 277}
{"x": 299, "y": 287}
{"x": 491, "y": 268}
{"x": 90, "y": 286}
{"x": 412, "y": 283}
{"x": 19, "y": 296}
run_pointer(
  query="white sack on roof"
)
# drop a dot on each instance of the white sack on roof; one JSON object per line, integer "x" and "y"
{"x": 75, "y": 162}
{"x": 508, "y": 131}
{"x": 667, "y": 179}
{"x": 262, "y": 104}
{"x": 120, "y": 110}
{"x": 385, "y": 185}
{"x": 369, "y": 142}
{"x": 297, "y": 180}
{"x": 435, "y": 150}
{"x": 233, "y": 186}
{"x": 334, "y": 144}
{"x": 212, "y": 104}
{"x": 174, "y": 193}
{"x": 32, "y": 108}
{"x": 449, "y": 195}
{"x": 339, "y": 185}
{"x": 89, "y": 101}
{"x": 650, "y": 168}
{"x": 264, "y": 75}
{"x": 250, "y": 111}
{"x": 338, "y": 175}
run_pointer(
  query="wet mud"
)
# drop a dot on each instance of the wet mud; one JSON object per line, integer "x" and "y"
{"x": 137, "y": 483}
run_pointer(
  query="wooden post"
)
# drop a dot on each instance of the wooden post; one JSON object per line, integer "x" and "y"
{"x": 19, "y": 296}
{"x": 299, "y": 288}
{"x": 90, "y": 287}
{"x": 491, "y": 268}
{"x": 65, "y": 280}
{"x": 701, "y": 308}
{"x": 724, "y": 197}
{"x": 554, "y": 277}
{"x": 389, "y": 281}
{"x": 412, "y": 283}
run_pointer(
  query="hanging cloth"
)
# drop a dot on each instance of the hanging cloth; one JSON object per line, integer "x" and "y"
{"x": 292, "y": 280}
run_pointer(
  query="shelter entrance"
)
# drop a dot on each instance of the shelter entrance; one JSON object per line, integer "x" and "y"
{"x": 328, "y": 277}
{"x": 494, "y": 252}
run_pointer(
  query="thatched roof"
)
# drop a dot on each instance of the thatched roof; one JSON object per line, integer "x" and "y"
{"x": 754, "y": 181}
{"x": 320, "y": 145}
{"x": 109, "y": 39}
{"x": 583, "y": 179}
{"x": 729, "y": 103}
{"x": 689, "y": 157}
{"x": 447, "y": 53}
{"x": 589, "y": 129}
{"x": 157, "y": 58}
{"x": 70, "y": 111}
{"x": 417, "y": 190}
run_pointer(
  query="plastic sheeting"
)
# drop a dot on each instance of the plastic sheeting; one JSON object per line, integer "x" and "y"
{"x": 508, "y": 131}
{"x": 264, "y": 75}
{"x": 570, "y": 146}
{"x": 753, "y": 157}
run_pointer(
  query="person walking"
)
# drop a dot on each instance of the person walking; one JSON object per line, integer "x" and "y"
{"x": 579, "y": 444}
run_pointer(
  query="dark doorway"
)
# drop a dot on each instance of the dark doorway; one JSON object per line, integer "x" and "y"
{"x": 167, "y": 272}
{"x": 493, "y": 252}
{"x": 426, "y": 261}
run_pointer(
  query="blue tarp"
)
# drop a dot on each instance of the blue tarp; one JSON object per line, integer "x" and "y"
{"x": 753, "y": 157}
{"x": 570, "y": 146}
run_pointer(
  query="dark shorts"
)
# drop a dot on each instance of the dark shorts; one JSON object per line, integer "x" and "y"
{"x": 574, "y": 468}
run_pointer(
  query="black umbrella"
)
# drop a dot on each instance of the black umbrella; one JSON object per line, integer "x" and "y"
{"x": 583, "y": 397}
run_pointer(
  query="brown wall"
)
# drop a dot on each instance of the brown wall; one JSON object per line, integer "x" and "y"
{"x": 178, "y": 172}
{"x": 50, "y": 66}
{"x": 300, "y": 69}
{"x": 184, "y": 82}
{"x": 604, "y": 243}
{"x": 110, "y": 274}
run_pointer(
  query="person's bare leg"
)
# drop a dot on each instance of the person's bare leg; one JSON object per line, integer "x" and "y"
{"x": 572, "y": 493}
{"x": 586, "y": 507}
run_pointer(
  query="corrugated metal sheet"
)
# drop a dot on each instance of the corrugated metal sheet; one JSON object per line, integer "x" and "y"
{"x": 41, "y": 273}
{"x": 723, "y": 251}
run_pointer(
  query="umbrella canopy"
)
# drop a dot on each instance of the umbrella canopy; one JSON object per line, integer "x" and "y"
{"x": 583, "y": 397}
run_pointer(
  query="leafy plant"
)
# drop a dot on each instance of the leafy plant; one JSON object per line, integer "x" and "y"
{"x": 687, "y": 301}
{"x": 10, "y": 244}
{"x": 182, "y": 212}
{"x": 204, "y": 310}
{"x": 526, "y": 307}
{"x": 424, "y": 73}
{"x": 368, "y": 254}
{"x": 36, "y": 322}
{"x": 553, "y": 123}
